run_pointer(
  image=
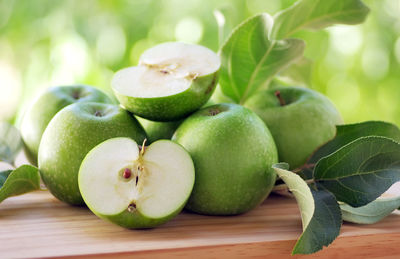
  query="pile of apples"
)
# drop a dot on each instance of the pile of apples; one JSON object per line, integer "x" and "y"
{"x": 213, "y": 159}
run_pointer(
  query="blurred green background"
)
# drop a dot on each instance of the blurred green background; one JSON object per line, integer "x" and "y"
{"x": 45, "y": 43}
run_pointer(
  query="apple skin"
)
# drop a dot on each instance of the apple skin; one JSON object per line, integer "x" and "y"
{"x": 219, "y": 97}
{"x": 171, "y": 107}
{"x": 233, "y": 152}
{"x": 37, "y": 118}
{"x": 156, "y": 130}
{"x": 307, "y": 121}
{"x": 71, "y": 134}
{"x": 137, "y": 220}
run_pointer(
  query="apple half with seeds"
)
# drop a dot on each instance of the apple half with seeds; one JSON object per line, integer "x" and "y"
{"x": 172, "y": 80}
{"x": 136, "y": 187}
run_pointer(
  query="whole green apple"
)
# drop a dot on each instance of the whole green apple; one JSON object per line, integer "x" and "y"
{"x": 136, "y": 187}
{"x": 233, "y": 152}
{"x": 300, "y": 120}
{"x": 37, "y": 118}
{"x": 71, "y": 134}
{"x": 156, "y": 130}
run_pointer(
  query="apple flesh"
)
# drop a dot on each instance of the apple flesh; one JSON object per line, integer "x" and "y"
{"x": 171, "y": 81}
{"x": 37, "y": 118}
{"x": 233, "y": 153}
{"x": 71, "y": 134}
{"x": 300, "y": 120}
{"x": 136, "y": 188}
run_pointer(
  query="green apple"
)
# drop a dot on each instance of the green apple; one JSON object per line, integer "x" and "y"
{"x": 219, "y": 97}
{"x": 71, "y": 134}
{"x": 156, "y": 130}
{"x": 35, "y": 120}
{"x": 233, "y": 152}
{"x": 172, "y": 80}
{"x": 136, "y": 188}
{"x": 300, "y": 120}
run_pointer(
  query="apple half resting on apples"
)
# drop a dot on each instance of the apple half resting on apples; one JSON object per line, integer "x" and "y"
{"x": 172, "y": 80}
{"x": 136, "y": 187}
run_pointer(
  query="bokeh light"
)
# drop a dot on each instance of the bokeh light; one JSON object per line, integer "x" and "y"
{"x": 45, "y": 43}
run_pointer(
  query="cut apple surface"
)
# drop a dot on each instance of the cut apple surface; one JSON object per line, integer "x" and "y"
{"x": 133, "y": 188}
{"x": 172, "y": 80}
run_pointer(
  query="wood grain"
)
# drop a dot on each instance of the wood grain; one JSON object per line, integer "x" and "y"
{"x": 37, "y": 225}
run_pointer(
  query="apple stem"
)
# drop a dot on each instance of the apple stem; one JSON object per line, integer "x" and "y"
{"x": 143, "y": 147}
{"x": 278, "y": 95}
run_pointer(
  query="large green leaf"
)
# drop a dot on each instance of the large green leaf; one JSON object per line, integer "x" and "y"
{"x": 299, "y": 73}
{"x": 372, "y": 212}
{"x": 249, "y": 59}
{"x": 317, "y": 14}
{"x": 348, "y": 133}
{"x": 361, "y": 171}
{"x": 24, "y": 179}
{"x": 319, "y": 209}
{"x": 10, "y": 142}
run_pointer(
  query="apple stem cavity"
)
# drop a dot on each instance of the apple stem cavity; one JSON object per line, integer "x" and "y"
{"x": 132, "y": 207}
{"x": 278, "y": 95}
{"x": 76, "y": 95}
{"x": 98, "y": 114}
{"x": 213, "y": 112}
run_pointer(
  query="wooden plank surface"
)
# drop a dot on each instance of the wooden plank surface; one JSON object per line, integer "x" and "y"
{"x": 37, "y": 225}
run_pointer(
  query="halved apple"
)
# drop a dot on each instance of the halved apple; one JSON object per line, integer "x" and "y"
{"x": 136, "y": 188}
{"x": 172, "y": 80}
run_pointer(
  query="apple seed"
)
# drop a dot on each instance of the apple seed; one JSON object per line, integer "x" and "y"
{"x": 127, "y": 173}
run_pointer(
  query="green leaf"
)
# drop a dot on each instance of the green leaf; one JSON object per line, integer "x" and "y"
{"x": 10, "y": 142}
{"x": 299, "y": 73}
{"x": 250, "y": 60}
{"x": 348, "y": 133}
{"x": 3, "y": 176}
{"x": 320, "y": 213}
{"x": 24, "y": 179}
{"x": 372, "y": 212}
{"x": 324, "y": 226}
{"x": 318, "y": 14}
{"x": 361, "y": 171}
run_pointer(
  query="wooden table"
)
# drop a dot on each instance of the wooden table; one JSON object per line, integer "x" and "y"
{"x": 38, "y": 225}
